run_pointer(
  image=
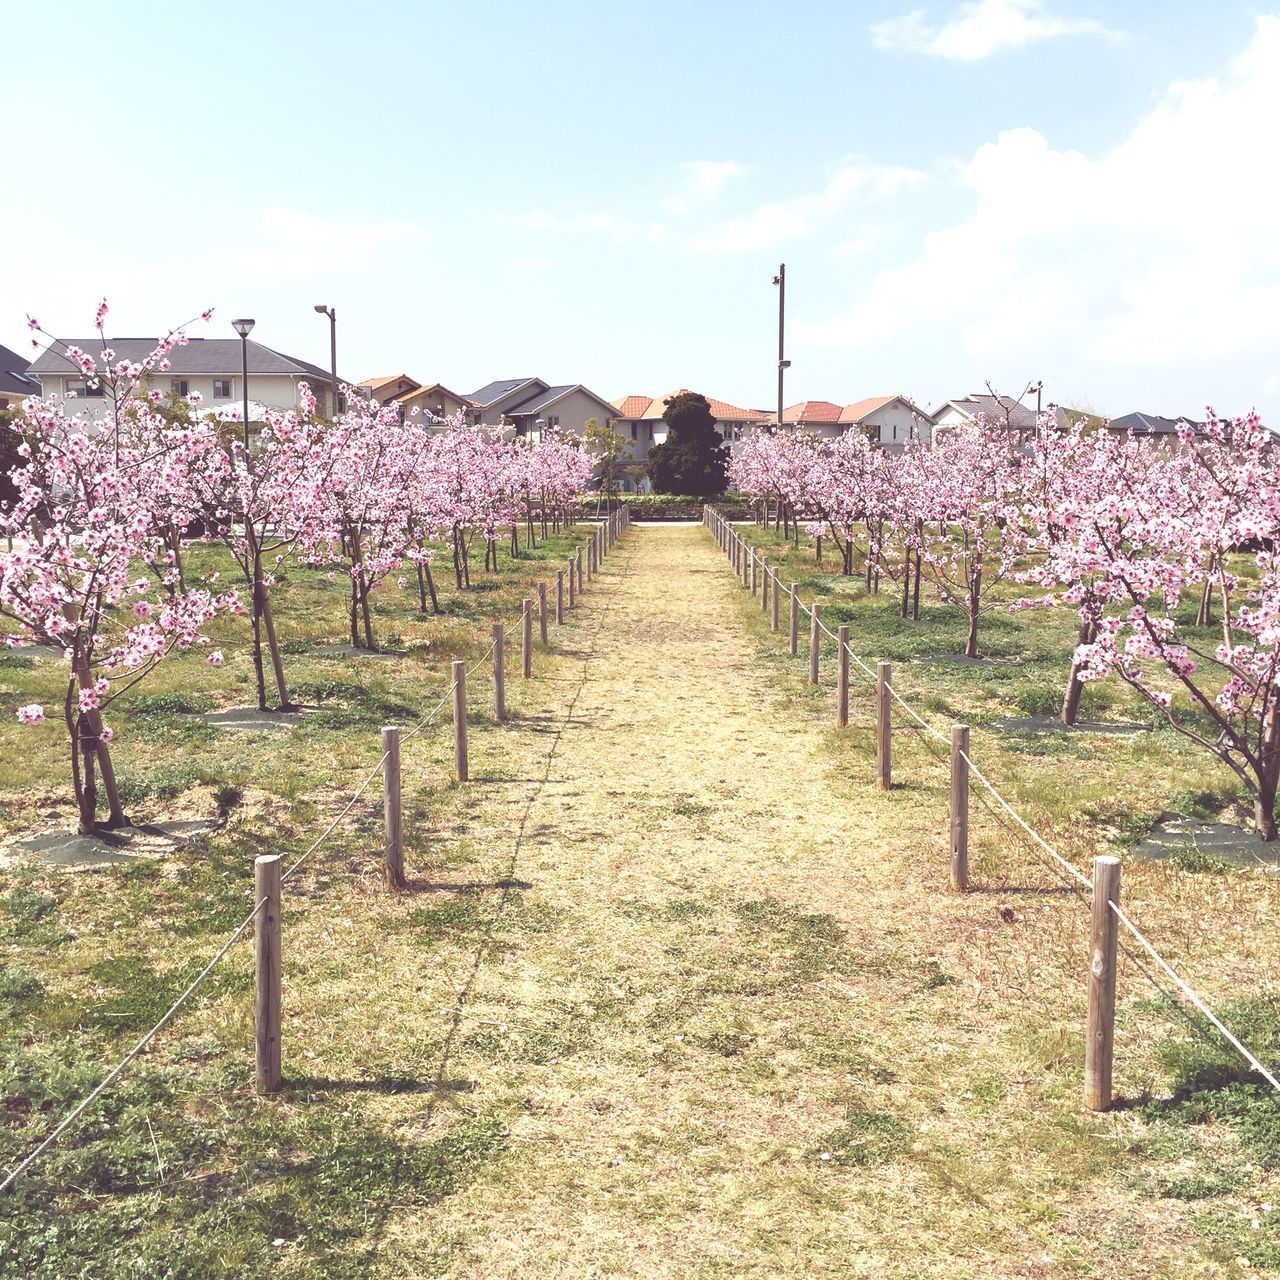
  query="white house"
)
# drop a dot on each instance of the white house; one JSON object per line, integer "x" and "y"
{"x": 209, "y": 366}
{"x": 892, "y": 422}
{"x": 529, "y": 405}
{"x": 998, "y": 411}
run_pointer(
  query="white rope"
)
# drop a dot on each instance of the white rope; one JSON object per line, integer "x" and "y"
{"x": 132, "y": 1054}
{"x": 1191, "y": 995}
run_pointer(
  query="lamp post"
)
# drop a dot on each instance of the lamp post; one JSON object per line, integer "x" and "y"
{"x": 244, "y": 328}
{"x": 781, "y": 281}
{"x": 332, "y": 313}
{"x": 1038, "y": 387}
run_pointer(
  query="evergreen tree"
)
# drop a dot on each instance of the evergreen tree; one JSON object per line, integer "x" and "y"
{"x": 693, "y": 459}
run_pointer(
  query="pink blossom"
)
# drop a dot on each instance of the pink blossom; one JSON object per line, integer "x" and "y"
{"x": 33, "y": 713}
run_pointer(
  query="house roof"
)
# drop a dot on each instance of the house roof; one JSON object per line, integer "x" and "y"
{"x": 1151, "y": 424}
{"x": 640, "y": 408}
{"x": 14, "y": 379}
{"x": 993, "y": 408}
{"x": 374, "y": 384}
{"x": 540, "y": 399}
{"x": 492, "y": 391}
{"x": 198, "y": 356}
{"x": 436, "y": 388}
{"x": 812, "y": 411}
{"x": 632, "y": 406}
{"x": 859, "y": 409}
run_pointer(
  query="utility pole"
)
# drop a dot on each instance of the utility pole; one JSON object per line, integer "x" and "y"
{"x": 783, "y": 364}
{"x": 332, "y": 313}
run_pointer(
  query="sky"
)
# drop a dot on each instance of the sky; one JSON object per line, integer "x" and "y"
{"x": 1078, "y": 192}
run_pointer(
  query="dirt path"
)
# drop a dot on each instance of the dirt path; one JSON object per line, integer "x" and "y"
{"x": 720, "y": 1000}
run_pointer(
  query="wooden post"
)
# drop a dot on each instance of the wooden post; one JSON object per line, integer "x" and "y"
{"x": 559, "y": 597}
{"x": 753, "y": 571}
{"x": 815, "y": 641}
{"x": 579, "y": 563}
{"x": 526, "y": 640}
{"x": 777, "y": 587}
{"x": 794, "y": 624}
{"x": 842, "y": 678}
{"x": 460, "y": 720}
{"x": 1100, "y": 1037}
{"x": 960, "y": 807}
{"x": 499, "y": 672}
{"x": 266, "y": 973}
{"x": 391, "y": 807}
{"x": 591, "y": 557}
{"x": 573, "y": 590}
{"x": 884, "y": 726}
{"x": 542, "y": 613}
{"x": 764, "y": 584}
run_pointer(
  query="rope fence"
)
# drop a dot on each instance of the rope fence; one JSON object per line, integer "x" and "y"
{"x": 269, "y": 879}
{"x": 755, "y": 573}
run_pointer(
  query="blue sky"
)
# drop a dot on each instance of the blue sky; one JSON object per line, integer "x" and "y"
{"x": 1075, "y": 191}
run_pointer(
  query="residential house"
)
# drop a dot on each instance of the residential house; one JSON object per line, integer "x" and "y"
{"x": 640, "y": 419}
{"x": 999, "y": 411}
{"x": 208, "y": 366}
{"x": 1140, "y": 425}
{"x": 386, "y": 389}
{"x": 435, "y": 401}
{"x": 16, "y": 384}
{"x": 892, "y": 422}
{"x": 532, "y": 406}
{"x": 819, "y": 418}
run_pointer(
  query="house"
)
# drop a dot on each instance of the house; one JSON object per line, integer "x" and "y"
{"x": 435, "y": 401}
{"x": 384, "y": 390}
{"x": 532, "y": 406}
{"x": 998, "y": 411}
{"x": 640, "y": 419}
{"x": 210, "y": 367}
{"x": 820, "y": 418}
{"x": 16, "y": 384}
{"x": 1136, "y": 425}
{"x": 892, "y": 422}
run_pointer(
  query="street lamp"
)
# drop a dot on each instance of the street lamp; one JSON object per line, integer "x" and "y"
{"x": 321, "y": 309}
{"x": 244, "y": 328}
{"x": 781, "y": 281}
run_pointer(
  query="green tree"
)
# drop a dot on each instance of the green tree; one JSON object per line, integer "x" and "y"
{"x": 613, "y": 454}
{"x": 692, "y": 459}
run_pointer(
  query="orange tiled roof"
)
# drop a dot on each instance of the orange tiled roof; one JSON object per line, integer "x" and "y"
{"x": 859, "y": 409}
{"x": 374, "y": 383}
{"x": 632, "y": 406}
{"x": 812, "y": 411}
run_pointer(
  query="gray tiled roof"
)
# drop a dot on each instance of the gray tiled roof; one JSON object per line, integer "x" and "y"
{"x": 1151, "y": 424}
{"x": 199, "y": 356}
{"x": 539, "y": 398}
{"x": 994, "y": 410}
{"x": 492, "y": 391}
{"x": 13, "y": 375}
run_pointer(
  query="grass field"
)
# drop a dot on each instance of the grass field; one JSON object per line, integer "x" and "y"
{"x": 674, "y": 992}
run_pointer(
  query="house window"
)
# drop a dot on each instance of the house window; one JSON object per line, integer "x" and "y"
{"x": 633, "y": 430}
{"x": 553, "y": 421}
{"x": 222, "y": 388}
{"x": 178, "y": 386}
{"x": 83, "y": 390}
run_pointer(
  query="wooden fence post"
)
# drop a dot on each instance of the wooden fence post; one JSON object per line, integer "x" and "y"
{"x": 391, "y": 807}
{"x": 526, "y": 640}
{"x": 266, "y": 973}
{"x": 794, "y": 622}
{"x": 573, "y": 590}
{"x": 842, "y": 678}
{"x": 815, "y": 641}
{"x": 764, "y": 584}
{"x": 773, "y": 600}
{"x": 1100, "y": 1037}
{"x": 559, "y": 597}
{"x": 591, "y": 556}
{"x": 460, "y": 720}
{"x": 578, "y": 558}
{"x": 884, "y": 727}
{"x": 542, "y": 613}
{"x": 753, "y": 571}
{"x": 499, "y": 672}
{"x": 960, "y": 807}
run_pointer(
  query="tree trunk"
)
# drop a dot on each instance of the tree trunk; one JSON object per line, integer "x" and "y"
{"x": 915, "y": 591}
{"x": 1075, "y": 686}
{"x": 273, "y": 648}
{"x": 975, "y": 595}
{"x": 1204, "y": 618}
{"x": 906, "y": 586}
{"x": 1264, "y": 800}
{"x": 431, "y": 588}
{"x": 89, "y": 726}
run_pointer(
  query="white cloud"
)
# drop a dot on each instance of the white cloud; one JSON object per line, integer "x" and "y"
{"x": 774, "y": 223}
{"x": 703, "y": 180}
{"x": 980, "y": 28}
{"x": 286, "y": 242}
{"x": 1160, "y": 252}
